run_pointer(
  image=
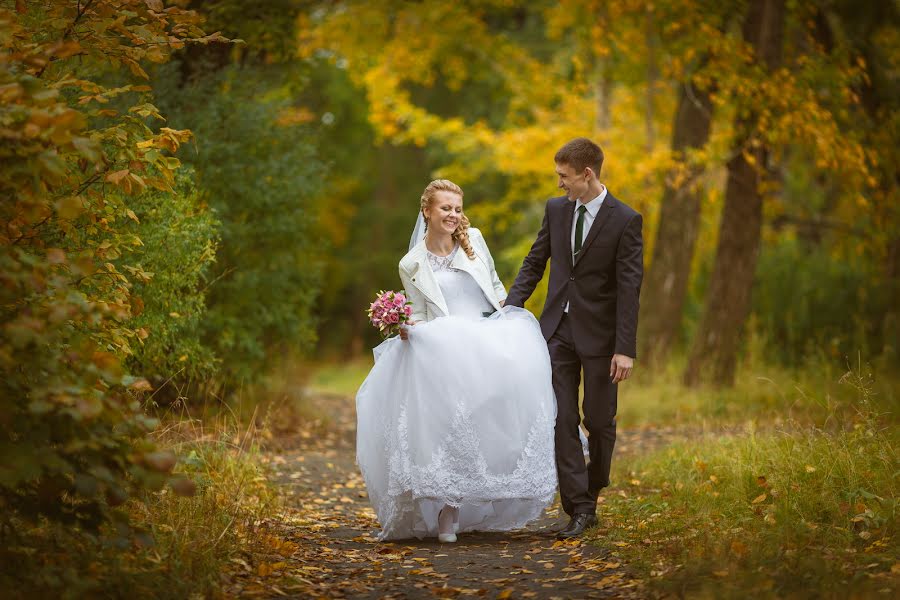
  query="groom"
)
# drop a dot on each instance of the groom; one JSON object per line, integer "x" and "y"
{"x": 594, "y": 245}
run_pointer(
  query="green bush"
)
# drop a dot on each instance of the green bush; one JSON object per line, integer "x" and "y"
{"x": 261, "y": 175}
{"x": 179, "y": 234}
{"x": 809, "y": 301}
{"x": 72, "y": 432}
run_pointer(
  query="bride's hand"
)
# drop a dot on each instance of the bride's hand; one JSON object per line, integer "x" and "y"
{"x": 404, "y": 334}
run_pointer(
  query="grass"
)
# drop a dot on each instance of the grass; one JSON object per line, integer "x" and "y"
{"x": 764, "y": 394}
{"x": 799, "y": 512}
{"x": 787, "y": 486}
{"x": 186, "y": 542}
{"x": 767, "y": 395}
{"x": 197, "y": 536}
{"x": 341, "y": 379}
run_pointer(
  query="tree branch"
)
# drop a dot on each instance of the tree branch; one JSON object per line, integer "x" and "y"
{"x": 81, "y": 11}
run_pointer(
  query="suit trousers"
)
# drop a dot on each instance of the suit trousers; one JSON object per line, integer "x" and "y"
{"x": 579, "y": 483}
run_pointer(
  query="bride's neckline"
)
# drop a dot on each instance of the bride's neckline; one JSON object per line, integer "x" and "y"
{"x": 452, "y": 251}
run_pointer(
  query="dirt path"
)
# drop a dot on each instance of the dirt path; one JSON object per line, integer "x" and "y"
{"x": 323, "y": 545}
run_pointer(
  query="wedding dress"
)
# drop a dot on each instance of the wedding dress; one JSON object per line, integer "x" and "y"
{"x": 461, "y": 414}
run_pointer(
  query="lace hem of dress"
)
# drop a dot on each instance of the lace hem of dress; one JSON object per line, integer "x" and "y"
{"x": 458, "y": 473}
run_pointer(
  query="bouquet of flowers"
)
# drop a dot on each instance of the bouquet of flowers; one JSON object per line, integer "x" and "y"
{"x": 389, "y": 310}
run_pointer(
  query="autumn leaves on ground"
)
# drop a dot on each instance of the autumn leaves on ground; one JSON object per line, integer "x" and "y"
{"x": 322, "y": 542}
{"x": 705, "y": 502}
{"x": 709, "y": 499}
{"x": 713, "y": 496}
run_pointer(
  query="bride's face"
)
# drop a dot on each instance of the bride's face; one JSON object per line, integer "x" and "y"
{"x": 445, "y": 212}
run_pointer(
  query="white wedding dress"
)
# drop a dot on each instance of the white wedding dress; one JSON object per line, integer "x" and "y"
{"x": 461, "y": 414}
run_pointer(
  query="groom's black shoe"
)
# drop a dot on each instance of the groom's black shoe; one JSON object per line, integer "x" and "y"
{"x": 577, "y": 525}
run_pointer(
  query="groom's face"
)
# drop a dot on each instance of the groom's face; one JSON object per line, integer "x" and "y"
{"x": 574, "y": 183}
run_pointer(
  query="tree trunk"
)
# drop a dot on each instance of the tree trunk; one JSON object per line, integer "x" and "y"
{"x": 715, "y": 347}
{"x": 676, "y": 236}
{"x": 649, "y": 112}
{"x": 603, "y": 91}
{"x": 890, "y": 325}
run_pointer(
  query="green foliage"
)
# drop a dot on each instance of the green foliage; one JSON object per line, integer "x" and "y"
{"x": 268, "y": 31}
{"x": 261, "y": 175}
{"x": 179, "y": 234}
{"x": 809, "y": 301}
{"x": 72, "y": 432}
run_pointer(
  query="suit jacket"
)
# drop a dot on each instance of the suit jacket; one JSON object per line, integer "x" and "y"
{"x": 422, "y": 287}
{"x": 602, "y": 287}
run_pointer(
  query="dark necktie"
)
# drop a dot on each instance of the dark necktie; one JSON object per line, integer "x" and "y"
{"x": 579, "y": 232}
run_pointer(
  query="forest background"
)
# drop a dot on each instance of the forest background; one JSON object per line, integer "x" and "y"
{"x": 200, "y": 199}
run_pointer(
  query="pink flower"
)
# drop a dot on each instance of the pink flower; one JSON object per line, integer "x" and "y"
{"x": 388, "y": 310}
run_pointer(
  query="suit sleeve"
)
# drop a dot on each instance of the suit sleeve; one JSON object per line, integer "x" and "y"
{"x": 629, "y": 274}
{"x": 533, "y": 266}
{"x": 414, "y": 296}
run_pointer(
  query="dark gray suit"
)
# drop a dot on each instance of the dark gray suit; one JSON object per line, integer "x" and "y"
{"x": 602, "y": 289}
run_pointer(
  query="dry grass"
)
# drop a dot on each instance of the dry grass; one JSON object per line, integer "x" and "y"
{"x": 179, "y": 546}
{"x": 796, "y": 512}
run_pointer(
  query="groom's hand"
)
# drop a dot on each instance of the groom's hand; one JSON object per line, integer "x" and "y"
{"x": 620, "y": 367}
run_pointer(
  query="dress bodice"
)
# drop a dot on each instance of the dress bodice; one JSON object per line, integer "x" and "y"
{"x": 462, "y": 293}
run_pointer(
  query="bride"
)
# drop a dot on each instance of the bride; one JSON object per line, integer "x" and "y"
{"x": 455, "y": 420}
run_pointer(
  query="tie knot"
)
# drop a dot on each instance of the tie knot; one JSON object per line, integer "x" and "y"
{"x": 582, "y": 209}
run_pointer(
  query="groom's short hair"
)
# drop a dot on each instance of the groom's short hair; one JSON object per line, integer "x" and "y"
{"x": 579, "y": 154}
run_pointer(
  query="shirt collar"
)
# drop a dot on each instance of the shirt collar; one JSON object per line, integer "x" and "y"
{"x": 594, "y": 205}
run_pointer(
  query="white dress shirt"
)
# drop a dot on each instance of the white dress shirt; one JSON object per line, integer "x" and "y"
{"x": 593, "y": 207}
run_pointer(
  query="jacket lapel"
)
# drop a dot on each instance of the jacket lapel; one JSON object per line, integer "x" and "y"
{"x": 423, "y": 278}
{"x": 568, "y": 217}
{"x": 603, "y": 215}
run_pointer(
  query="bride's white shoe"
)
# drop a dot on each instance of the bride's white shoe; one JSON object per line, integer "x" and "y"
{"x": 444, "y": 525}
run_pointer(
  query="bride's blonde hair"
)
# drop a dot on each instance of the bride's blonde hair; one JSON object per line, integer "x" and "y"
{"x": 461, "y": 234}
